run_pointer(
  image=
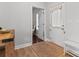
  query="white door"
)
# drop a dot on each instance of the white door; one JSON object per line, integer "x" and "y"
{"x": 40, "y": 31}
{"x": 56, "y": 29}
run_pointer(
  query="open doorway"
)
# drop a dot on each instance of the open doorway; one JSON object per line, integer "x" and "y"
{"x": 37, "y": 25}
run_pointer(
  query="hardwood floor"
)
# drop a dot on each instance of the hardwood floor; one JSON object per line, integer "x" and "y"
{"x": 41, "y": 49}
{"x": 48, "y": 49}
{"x": 25, "y": 52}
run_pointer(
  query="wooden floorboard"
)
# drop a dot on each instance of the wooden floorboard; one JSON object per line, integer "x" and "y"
{"x": 41, "y": 49}
{"x": 48, "y": 50}
{"x": 25, "y": 52}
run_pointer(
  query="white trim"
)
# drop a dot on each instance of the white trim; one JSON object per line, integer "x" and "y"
{"x": 70, "y": 53}
{"x": 23, "y": 45}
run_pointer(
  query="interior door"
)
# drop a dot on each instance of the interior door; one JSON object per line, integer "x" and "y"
{"x": 40, "y": 31}
{"x": 56, "y": 30}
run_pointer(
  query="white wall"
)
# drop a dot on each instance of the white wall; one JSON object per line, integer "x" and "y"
{"x": 18, "y": 16}
{"x": 72, "y": 21}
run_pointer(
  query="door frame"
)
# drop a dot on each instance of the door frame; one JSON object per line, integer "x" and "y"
{"x": 44, "y": 26}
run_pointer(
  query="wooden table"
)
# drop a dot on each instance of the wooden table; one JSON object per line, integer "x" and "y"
{"x": 41, "y": 49}
{"x": 6, "y": 42}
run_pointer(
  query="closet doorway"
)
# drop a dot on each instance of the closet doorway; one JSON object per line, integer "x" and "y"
{"x": 37, "y": 24}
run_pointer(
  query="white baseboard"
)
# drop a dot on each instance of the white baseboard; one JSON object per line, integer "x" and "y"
{"x": 72, "y": 52}
{"x": 23, "y": 45}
